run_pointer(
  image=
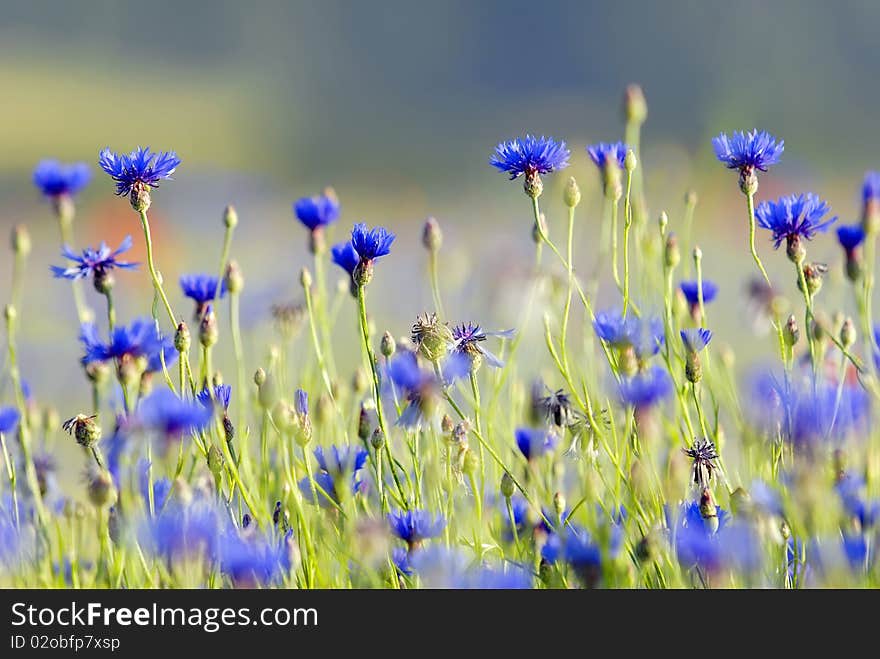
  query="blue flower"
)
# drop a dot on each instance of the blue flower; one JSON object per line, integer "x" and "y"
{"x": 345, "y": 256}
{"x": 696, "y": 541}
{"x": 9, "y": 417}
{"x": 165, "y": 413}
{"x": 219, "y": 395}
{"x": 748, "y": 151}
{"x": 415, "y": 526}
{"x": 400, "y": 558}
{"x": 325, "y": 488}
{"x": 793, "y": 217}
{"x": 851, "y": 492}
{"x": 645, "y": 336}
{"x": 250, "y": 559}
{"x": 530, "y": 156}
{"x": 161, "y": 487}
{"x": 871, "y": 187}
{"x": 201, "y": 289}
{"x": 370, "y": 244}
{"x": 10, "y": 536}
{"x": 163, "y": 351}
{"x": 97, "y": 262}
{"x": 185, "y": 532}
{"x": 646, "y": 388}
{"x": 603, "y": 152}
{"x": 139, "y": 339}
{"x": 340, "y": 460}
{"x": 691, "y": 291}
{"x": 576, "y": 546}
{"x": 138, "y": 170}
{"x": 850, "y": 236}
{"x": 317, "y": 212}
{"x": 467, "y": 338}
{"x": 55, "y": 179}
{"x": 442, "y": 567}
{"x": 695, "y": 339}
{"x": 421, "y": 387}
{"x": 534, "y": 442}
{"x": 301, "y": 402}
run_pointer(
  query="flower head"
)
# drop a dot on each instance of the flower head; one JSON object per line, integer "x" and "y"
{"x": 165, "y": 413}
{"x": 217, "y": 395}
{"x": 645, "y": 389}
{"x": 139, "y": 339}
{"x": 442, "y": 567}
{"x": 695, "y": 339}
{"x": 534, "y": 442}
{"x": 9, "y": 417}
{"x": 345, "y": 256}
{"x": 317, "y": 212}
{"x": 871, "y": 187}
{"x": 138, "y": 171}
{"x": 55, "y": 179}
{"x": 551, "y": 406}
{"x": 421, "y": 387}
{"x": 201, "y": 289}
{"x": 793, "y": 217}
{"x": 691, "y": 291}
{"x": 325, "y": 488}
{"x": 584, "y": 553}
{"x": 604, "y": 152}
{"x": 748, "y": 151}
{"x": 339, "y": 460}
{"x": 530, "y": 156}
{"x": 93, "y": 262}
{"x": 850, "y": 236}
{"x": 466, "y": 340}
{"x": 415, "y": 526}
{"x": 370, "y": 244}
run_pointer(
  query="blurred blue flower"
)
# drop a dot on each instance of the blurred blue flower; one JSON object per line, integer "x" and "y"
{"x": 602, "y": 152}
{"x": 339, "y": 460}
{"x": 415, "y": 526}
{"x": 165, "y": 413}
{"x": 250, "y": 559}
{"x": 748, "y": 151}
{"x": 871, "y": 187}
{"x": 201, "y": 289}
{"x": 9, "y": 417}
{"x": 530, "y": 156}
{"x": 850, "y": 236}
{"x": 535, "y": 442}
{"x": 301, "y": 402}
{"x": 696, "y": 542}
{"x": 441, "y": 567}
{"x": 315, "y": 212}
{"x": 345, "y": 256}
{"x": 185, "y": 532}
{"x": 139, "y": 339}
{"x": 645, "y": 389}
{"x": 139, "y": 169}
{"x": 691, "y": 291}
{"x": 794, "y": 217}
{"x": 95, "y": 262}
{"x": 695, "y": 339}
{"x": 219, "y": 395}
{"x": 420, "y": 386}
{"x": 646, "y": 336}
{"x": 575, "y": 546}
{"x": 55, "y": 179}
{"x": 161, "y": 487}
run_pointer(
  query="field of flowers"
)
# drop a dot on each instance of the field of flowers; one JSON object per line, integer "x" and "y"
{"x": 639, "y": 456}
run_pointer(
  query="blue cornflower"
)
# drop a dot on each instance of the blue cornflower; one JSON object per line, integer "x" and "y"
{"x": 341, "y": 459}
{"x": 604, "y": 152}
{"x": 645, "y": 389}
{"x": 165, "y": 413}
{"x": 466, "y": 341}
{"x": 421, "y": 387}
{"x": 317, "y": 212}
{"x": 139, "y": 339}
{"x": 576, "y": 546}
{"x": 691, "y": 292}
{"x": 250, "y": 559}
{"x": 370, "y": 244}
{"x": 55, "y": 179}
{"x": 850, "y": 489}
{"x": 793, "y": 218}
{"x": 9, "y": 417}
{"x": 185, "y": 532}
{"x": 345, "y": 256}
{"x": 850, "y": 236}
{"x": 871, "y": 188}
{"x": 93, "y": 262}
{"x": 697, "y": 537}
{"x": 415, "y": 526}
{"x": 644, "y": 336}
{"x": 400, "y": 557}
{"x": 748, "y": 151}
{"x": 695, "y": 339}
{"x": 325, "y": 489}
{"x": 535, "y": 442}
{"x": 301, "y": 402}
{"x": 442, "y": 567}
{"x": 163, "y": 351}
{"x": 202, "y": 289}
{"x": 530, "y": 156}
{"x": 138, "y": 171}
{"x": 219, "y": 395}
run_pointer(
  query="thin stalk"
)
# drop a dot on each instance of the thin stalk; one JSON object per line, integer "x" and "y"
{"x": 750, "y": 202}
{"x": 435, "y": 282}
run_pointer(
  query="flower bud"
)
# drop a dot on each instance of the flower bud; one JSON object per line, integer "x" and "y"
{"x": 387, "y": 346}
{"x": 100, "y": 488}
{"x": 629, "y": 161}
{"x": 671, "y": 253}
{"x": 432, "y": 237}
{"x": 693, "y": 369}
{"x": 795, "y": 249}
{"x": 708, "y": 510}
{"x": 559, "y": 505}
{"x": 363, "y": 273}
{"x": 447, "y": 425}
{"x": 508, "y": 487}
{"x": 690, "y": 198}
{"x": 260, "y": 377}
{"x": 208, "y": 330}
{"x": 140, "y": 197}
{"x": 470, "y": 462}
{"x": 21, "y": 240}
{"x": 663, "y": 222}
{"x": 305, "y": 278}
{"x": 572, "y": 193}
{"x": 84, "y": 429}
{"x": 365, "y": 423}
{"x": 432, "y": 337}
{"x": 230, "y": 217}
{"x": 234, "y": 278}
{"x": 9, "y": 313}
{"x": 377, "y": 441}
{"x": 635, "y": 108}
{"x": 215, "y": 461}
{"x": 103, "y": 281}
{"x": 360, "y": 382}
{"x": 532, "y": 185}
{"x": 748, "y": 181}
{"x": 611, "y": 180}
{"x": 182, "y": 339}
{"x": 848, "y": 333}
{"x": 791, "y": 333}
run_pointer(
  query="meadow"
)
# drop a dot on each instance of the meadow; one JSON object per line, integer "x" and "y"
{"x": 639, "y": 453}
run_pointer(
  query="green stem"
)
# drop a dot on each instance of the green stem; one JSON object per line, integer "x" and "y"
{"x": 238, "y": 349}
{"x": 435, "y": 282}
{"x": 808, "y": 318}
{"x": 563, "y": 349}
{"x": 627, "y": 223}
{"x": 750, "y": 201}
{"x": 157, "y": 282}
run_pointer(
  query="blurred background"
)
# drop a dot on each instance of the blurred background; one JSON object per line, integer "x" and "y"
{"x": 398, "y": 105}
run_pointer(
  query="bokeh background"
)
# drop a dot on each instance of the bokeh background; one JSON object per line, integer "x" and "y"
{"x": 398, "y": 105}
